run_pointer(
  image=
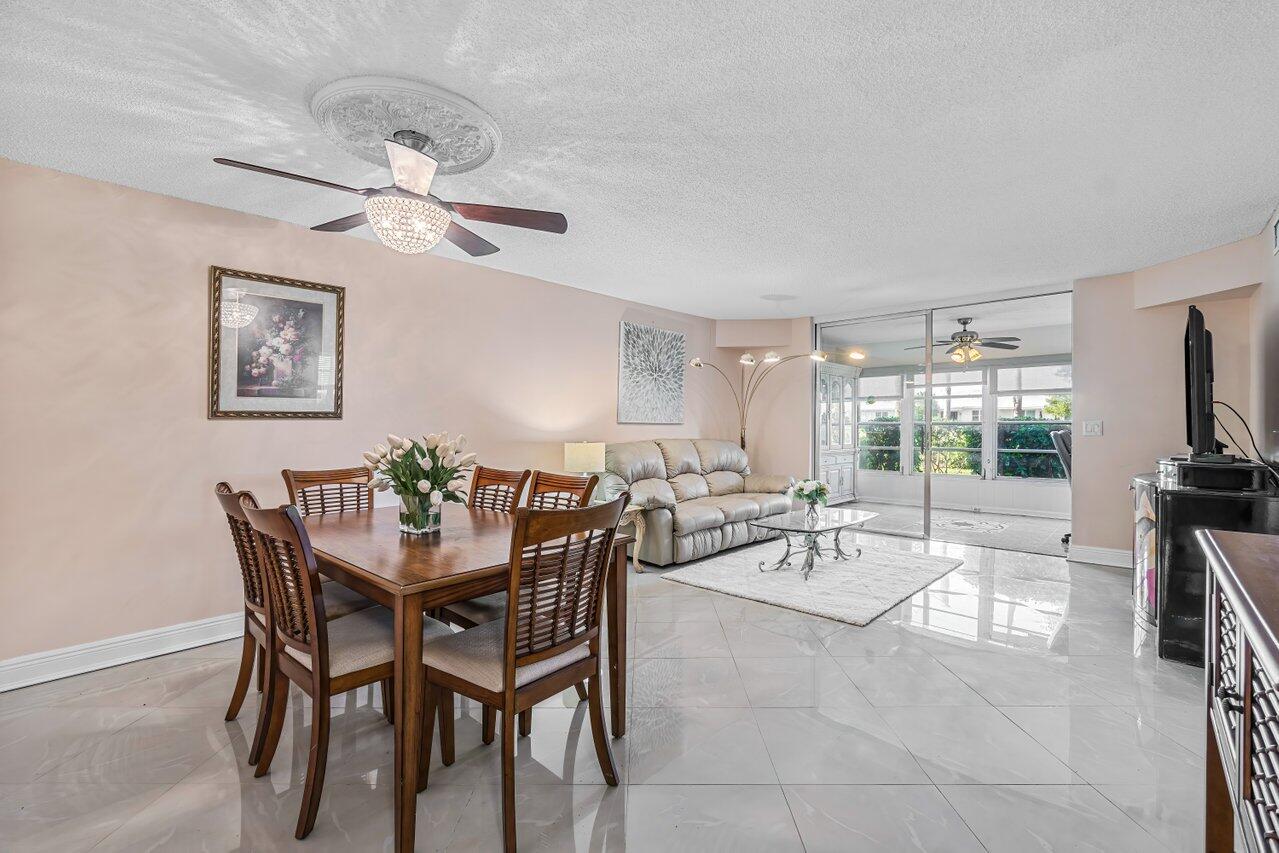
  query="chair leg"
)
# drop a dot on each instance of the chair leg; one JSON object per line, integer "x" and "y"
{"x": 447, "y": 712}
{"x": 603, "y": 750}
{"x": 316, "y": 763}
{"x": 277, "y": 702}
{"x": 526, "y": 723}
{"x": 489, "y": 717}
{"x": 388, "y": 699}
{"x": 264, "y": 717}
{"x": 261, "y": 673}
{"x": 242, "y": 680}
{"x": 581, "y": 691}
{"x": 428, "y": 733}
{"x": 508, "y": 778}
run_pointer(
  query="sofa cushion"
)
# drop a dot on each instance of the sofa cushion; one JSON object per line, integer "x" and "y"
{"x": 767, "y": 483}
{"x": 769, "y": 503}
{"x": 717, "y": 455}
{"x": 725, "y": 482}
{"x": 680, "y": 456}
{"x": 735, "y": 507}
{"x": 635, "y": 460}
{"x": 697, "y": 514}
{"x": 652, "y": 493}
{"x": 688, "y": 487}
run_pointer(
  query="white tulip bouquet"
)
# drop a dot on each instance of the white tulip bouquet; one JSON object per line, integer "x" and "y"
{"x": 425, "y": 474}
{"x": 811, "y": 492}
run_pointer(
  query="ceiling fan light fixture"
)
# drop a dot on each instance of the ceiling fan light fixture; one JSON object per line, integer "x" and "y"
{"x": 746, "y": 359}
{"x": 407, "y": 225}
{"x": 770, "y": 357}
{"x": 965, "y": 354}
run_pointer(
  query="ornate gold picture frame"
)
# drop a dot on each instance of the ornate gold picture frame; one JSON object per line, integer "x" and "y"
{"x": 275, "y": 346}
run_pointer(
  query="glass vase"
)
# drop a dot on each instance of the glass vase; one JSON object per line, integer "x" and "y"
{"x": 417, "y": 516}
{"x": 813, "y": 508}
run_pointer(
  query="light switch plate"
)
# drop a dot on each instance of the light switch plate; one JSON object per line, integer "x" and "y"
{"x": 1093, "y": 427}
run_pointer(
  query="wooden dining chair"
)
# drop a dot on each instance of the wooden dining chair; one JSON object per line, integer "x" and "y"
{"x": 560, "y": 491}
{"x": 495, "y": 489}
{"x": 335, "y": 490}
{"x": 549, "y": 640}
{"x": 257, "y": 633}
{"x": 321, "y": 657}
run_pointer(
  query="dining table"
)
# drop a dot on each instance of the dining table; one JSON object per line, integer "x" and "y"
{"x": 410, "y": 574}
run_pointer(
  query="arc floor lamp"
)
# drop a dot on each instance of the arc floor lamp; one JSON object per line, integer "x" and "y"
{"x": 759, "y": 371}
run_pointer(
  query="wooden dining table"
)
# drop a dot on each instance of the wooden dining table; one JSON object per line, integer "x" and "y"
{"x": 409, "y": 574}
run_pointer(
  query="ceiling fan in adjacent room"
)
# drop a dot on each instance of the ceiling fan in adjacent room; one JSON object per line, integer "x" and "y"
{"x": 406, "y": 217}
{"x": 963, "y": 345}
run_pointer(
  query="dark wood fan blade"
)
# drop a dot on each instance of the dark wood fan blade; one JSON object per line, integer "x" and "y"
{"x": 223, "y": 161}
{"x": 538, "y": 220}
{"x": 998, "y": 345}
{"x": 346, "y": 223}
{"x": 1002, "y": 338}
{"x": 468, "y": 241}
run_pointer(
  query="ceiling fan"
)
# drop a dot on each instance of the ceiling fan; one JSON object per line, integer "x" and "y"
{"x": 406, "y": 217}
{"x": 963, "y": 345}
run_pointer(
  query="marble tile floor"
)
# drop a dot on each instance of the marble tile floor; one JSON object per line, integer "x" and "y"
{"x": 1008, "y": 707}
{"x": 1010, "y": 532}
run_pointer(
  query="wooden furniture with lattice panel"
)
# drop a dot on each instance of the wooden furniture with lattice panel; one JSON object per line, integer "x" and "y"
{"x": 548, "y": 642}
{"x": 1242, "y": 695}
{"x": 495, "y": 489}
{"x": 323, "y": 658}
{"x": 560, "y": 491}
{"x": 335, "y": 490}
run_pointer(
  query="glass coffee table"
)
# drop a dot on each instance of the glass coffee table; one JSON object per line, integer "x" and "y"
{"x": 809, "y": 528}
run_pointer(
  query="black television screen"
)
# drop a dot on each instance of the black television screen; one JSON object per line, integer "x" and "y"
{"x": 1200, "y": 432}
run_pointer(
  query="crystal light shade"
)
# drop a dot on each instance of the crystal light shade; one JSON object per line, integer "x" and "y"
{"x": 235, "y": 314}
{"x": 407, "y": 225}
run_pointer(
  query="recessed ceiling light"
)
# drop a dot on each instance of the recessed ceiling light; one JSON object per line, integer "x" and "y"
{"x": 857, "y": 354}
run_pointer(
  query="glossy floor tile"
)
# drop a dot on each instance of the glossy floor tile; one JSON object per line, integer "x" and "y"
{"x": 1009, "y": 706}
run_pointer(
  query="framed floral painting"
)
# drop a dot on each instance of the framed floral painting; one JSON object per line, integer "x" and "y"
{"x": 275, "y": 346}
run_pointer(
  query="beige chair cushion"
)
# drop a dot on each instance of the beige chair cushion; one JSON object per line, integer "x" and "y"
{"x": 735, "y": 507}
{"x": 700, "y": 514}
{"x": 476, "y": 655}
{"x": 635, "y": 460}
{"x": 767, "y": 483}
{"x": 680, "y": 456}
{"x": 342, "y": 601}
{"x": 651, "y": 493}
{"x": 725, "y": 483}
{"x": 689, "y": 487}
{"x": 365, "y": 639}
{"x": 486, "y": 608}
{"x": 718, "y": 455}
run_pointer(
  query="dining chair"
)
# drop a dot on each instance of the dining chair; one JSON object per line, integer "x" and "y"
{"x": 493, "y": 488}
{"x": 335, "y": 490}
{"x": 549, "y": 640}
{"x": 257, "y": 633}
{"x": 560, "y": 491}
{"x": 320, "y": 656}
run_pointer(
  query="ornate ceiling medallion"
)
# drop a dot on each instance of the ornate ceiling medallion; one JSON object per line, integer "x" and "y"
{"x": 359, "y": 113}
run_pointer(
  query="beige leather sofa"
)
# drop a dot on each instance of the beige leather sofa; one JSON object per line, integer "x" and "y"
{"x": 697, "y": 495}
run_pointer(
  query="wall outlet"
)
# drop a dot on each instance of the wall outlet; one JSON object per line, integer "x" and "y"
{"x": 1093, "y": 427}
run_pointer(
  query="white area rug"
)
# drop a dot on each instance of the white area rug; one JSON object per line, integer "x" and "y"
{"x": 853, "y": 591}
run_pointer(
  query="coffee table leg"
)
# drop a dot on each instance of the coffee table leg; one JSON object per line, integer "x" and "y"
{"x": 810, "y": 552}
{"x": 784, "y": 561}
{"x": 840, "y": 553}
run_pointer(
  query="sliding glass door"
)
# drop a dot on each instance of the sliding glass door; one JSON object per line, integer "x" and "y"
{"x": 874, "y": 419}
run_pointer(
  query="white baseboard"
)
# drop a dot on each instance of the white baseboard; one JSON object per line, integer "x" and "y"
{"x": 1118, "y": 557}
{"x": 73, "y": 660}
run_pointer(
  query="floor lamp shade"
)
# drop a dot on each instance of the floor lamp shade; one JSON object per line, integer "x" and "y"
{"x": 584, "y": 456}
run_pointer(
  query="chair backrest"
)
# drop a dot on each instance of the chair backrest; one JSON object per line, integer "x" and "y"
{"x": 560, "y": 491}
{"x": 493, "y": 488}
{"x": 1065, "y": 447}
{"x": 297, "y": 603}
{"x": 559, "y": 560}
{"x": 337, "y": 490}
{"x": 245, "y": 548}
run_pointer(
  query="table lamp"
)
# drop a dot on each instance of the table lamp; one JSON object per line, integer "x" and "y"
{"x": 584, "y": 457}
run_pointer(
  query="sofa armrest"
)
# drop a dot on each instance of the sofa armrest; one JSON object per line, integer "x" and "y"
{"x": 652, "y": 494}
{"x": 767, "y": 483}
{"x": 609, "y": 487}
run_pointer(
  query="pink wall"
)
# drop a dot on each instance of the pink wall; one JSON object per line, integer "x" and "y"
{"x": 1128, "y": 373}
{"x": 109, "y": 522}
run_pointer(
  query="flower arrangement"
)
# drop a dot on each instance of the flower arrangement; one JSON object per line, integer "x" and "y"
{"x": 281, "y": 351}
{"x": 811, "y": 492}
{"x": 425, "y": 474}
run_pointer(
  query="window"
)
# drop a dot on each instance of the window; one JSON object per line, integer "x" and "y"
{"x": 957, "y": 422}
{"x": 1032, "y": 402}
{"x": 879, "y": 423}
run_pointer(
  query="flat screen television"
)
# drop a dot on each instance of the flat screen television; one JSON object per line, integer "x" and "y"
{"x": 1201, "y": 432}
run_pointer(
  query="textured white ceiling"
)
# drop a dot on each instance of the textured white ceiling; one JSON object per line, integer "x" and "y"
{"x": 706, "y": 153}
